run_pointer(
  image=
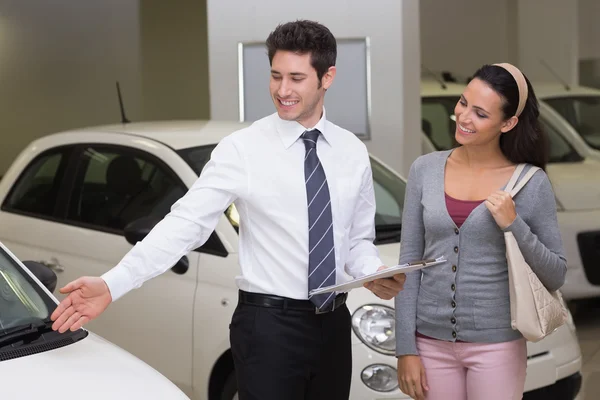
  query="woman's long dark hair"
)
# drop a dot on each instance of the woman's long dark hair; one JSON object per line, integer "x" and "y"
{"x": 526, "y": 142}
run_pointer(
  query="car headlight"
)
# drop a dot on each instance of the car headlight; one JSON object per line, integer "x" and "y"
{"x": 375, "y": 326}
{"x": 380, "y": 377}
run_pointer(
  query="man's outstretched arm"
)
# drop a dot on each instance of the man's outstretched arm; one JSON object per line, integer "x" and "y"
{"x": 188, "y": 226}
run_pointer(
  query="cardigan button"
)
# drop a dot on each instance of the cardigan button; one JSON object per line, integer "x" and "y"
{"x": 456, "y": 231}
{"x": 453, "y": 287}
{"x": 456, "y": 249}
{"x": 454, "y": 268}
{"x": 453, "y": 320}
{"x": 454, "y": 334}
{"x": 453, "y": 304}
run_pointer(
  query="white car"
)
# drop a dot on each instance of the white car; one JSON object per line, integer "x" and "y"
{"x": 575, "y": 113}
{"x": 78, "y": 201}
{"x": 575, "y": 180}
{"x": 38, "y": 363}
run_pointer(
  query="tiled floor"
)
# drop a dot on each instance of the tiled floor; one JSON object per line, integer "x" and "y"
{"x": 587, "y": 320}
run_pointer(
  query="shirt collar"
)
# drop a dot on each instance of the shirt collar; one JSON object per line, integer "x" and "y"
{"x": 290, "y": 131}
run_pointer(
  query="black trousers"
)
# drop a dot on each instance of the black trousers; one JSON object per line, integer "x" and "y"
{"x": 291, "y": 355}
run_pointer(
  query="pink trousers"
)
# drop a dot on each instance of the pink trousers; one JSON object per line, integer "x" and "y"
{"x": 474, "y": 371}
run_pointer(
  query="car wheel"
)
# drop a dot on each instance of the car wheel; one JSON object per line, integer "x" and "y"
{"x": 230, "y": 390}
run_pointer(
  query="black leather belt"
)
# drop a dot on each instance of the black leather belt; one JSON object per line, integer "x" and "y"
{"x": 267, "y": 300}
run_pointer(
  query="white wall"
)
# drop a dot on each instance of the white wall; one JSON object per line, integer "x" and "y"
{"x": 60, "y": 62}
{"x": 393, "y": 28}
{"x": 548, "y": 31}
{"x": 589, "y": 29}
{"x": 174, "y": 51}
{"x": 461, "y": 35}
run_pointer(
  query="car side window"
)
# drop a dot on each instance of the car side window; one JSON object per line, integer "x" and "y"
{"x": 437, "y": 121}
{"x": 37, "y": 189}
{"x": 560, "y": 149}
{"x": 115, "y": 187}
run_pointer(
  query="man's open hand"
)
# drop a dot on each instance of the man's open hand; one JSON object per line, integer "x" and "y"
{"x": 87, "y": 298}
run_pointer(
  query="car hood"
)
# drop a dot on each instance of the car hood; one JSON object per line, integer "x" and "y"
{"x": 576, "y": 185}
{"x": 389, "y": 253}
{"x": 92, "y": 368}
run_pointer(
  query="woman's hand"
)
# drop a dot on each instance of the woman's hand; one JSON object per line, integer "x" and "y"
{"x": 411, "y": 377}
{"x": 502, "y": 208}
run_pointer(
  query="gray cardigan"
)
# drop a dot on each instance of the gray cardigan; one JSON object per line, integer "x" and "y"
{"x": 467, "y": 298}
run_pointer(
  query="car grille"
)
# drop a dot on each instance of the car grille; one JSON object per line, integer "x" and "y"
{"x": 589, "y": 250}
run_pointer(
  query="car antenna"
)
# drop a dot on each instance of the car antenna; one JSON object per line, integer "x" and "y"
{"x": 441, "y": 82}
{"x": 543, "y": 62}
{"x": 124, "y": 119}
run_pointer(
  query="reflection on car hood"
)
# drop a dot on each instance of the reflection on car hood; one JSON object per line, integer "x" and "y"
{"x": 389, "y": 253}
{"x": 576, "y": 185}
{"x": 92, "y": 368}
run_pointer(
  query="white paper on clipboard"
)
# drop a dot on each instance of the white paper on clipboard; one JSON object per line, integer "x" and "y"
{"x": 386, "y": 273}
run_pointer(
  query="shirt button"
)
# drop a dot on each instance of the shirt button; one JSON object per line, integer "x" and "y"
{"x": 453, "y": 304}
{"x": 456, "y": 230}
{"x": 456, "y": 249}
{"x": 454, "y": 334}
{"x": 453, "y": 320}
{"x": 454, "y": 268}
{"x": 453, "y": 287}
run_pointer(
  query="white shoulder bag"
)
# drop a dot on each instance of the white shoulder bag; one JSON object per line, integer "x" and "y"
{"x": 535, "y": 312}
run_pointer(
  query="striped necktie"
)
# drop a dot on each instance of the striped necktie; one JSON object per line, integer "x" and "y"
{"x": 321, "y": 258}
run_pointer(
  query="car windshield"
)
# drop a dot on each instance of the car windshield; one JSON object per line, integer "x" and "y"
{"x": 583, "y": 113}
{"x": 389, "y": 194}
{"x": 439, "y": 125}
{"x": 22, "y": 300}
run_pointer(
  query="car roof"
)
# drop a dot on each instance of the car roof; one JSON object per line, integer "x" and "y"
{"x": 543, "y": 90}
{"x": 177, "y": 134}
{"x": 548, "y": 90}
{"x": 432, "y": 88}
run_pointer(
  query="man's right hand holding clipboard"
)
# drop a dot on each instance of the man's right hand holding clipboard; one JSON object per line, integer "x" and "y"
{"x": 386, "y": 288}
{"x": 386, "y": 282}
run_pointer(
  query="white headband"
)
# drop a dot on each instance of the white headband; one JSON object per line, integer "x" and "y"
{"x": 521, "y": 85}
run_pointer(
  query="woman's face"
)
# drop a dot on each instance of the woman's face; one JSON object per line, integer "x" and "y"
{"x": 479, "y": 116}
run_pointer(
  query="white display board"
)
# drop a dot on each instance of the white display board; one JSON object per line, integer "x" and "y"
{"x": 348, "y": 101}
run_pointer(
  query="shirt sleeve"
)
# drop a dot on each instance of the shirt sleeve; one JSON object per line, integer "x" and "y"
{"x": 364, "y": 256}
{"x": 412, "y": 248}
{"x": 539, "y": 238}
{"x": 188, "y": 225}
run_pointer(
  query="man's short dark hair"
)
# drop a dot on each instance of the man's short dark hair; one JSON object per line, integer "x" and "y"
{"x": 305, "y": 37}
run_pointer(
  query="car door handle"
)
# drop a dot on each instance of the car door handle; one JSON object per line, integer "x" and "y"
{"x": 53, "y": 264}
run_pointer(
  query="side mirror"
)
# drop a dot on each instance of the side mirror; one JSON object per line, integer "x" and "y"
{"x": 137, "y": 230}
{"x": 181, "y": 266}
{"x": 43, "y": 273}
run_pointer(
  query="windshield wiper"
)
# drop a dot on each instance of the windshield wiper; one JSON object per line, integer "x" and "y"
{"x": 15, "y": 334}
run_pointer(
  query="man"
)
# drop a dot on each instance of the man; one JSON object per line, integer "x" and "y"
{"x": 303, "y": 188}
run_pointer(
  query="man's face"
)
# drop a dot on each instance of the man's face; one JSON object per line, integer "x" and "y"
{"x": 295, "y": 88}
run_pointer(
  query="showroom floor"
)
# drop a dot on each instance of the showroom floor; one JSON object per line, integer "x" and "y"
{"x": 587, "y": 319}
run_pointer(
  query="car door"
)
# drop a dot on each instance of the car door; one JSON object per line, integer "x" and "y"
{"x": 108, "y": 187}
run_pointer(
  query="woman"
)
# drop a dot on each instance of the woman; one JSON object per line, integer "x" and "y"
{"x": 453, "y": 331}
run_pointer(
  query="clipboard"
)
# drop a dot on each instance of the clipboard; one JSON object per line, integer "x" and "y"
{"x": 386, "y": 273}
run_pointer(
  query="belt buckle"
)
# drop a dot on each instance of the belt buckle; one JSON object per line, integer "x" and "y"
{"x": 329, "y": 309}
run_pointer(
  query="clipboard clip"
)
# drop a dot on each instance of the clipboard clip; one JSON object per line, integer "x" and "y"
{"x": 427, "y": 261}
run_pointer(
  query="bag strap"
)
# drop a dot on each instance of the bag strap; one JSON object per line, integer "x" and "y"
{"x": 514, "y": 189}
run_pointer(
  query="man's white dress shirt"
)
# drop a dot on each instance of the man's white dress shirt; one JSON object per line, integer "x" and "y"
{"x": 261, "y": 169}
